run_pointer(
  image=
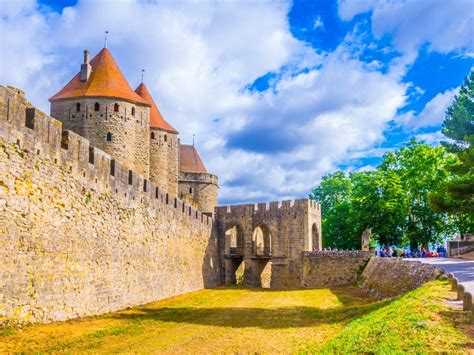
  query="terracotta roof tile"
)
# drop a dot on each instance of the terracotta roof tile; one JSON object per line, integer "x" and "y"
{"x": 106, "y": 80}
{"x": 156, "y": 119}
{"x": 189, "y": 160}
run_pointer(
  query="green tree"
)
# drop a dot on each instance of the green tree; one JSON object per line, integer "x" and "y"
{"x": 378, "y": 203}
{"x": 457, "y": 195}
{"x": 339, "y": 226}
{"x": 394, "y": 200}
{"x": 423, "y": 171}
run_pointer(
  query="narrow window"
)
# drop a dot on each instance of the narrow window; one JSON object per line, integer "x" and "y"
{"x": 130, "y": 177}
{"x": 112, "y": 167}
{"x": 190, "y": 190}
{"x": 91, "y": 155}
{"x": 133, "y": 111}
{"x": 116, "y": 107}
{"x": 152, "y": 135}
{"x": 109, "y": 137}
{"x": 96, "y": 107}
{"x": 166, "y": 138}
{"x": 78, "y": 107}
{"x": 144, "y": 185}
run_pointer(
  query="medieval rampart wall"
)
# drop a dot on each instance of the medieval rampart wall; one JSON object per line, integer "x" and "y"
{"x": 80, "y": 234}
{"x": 332, "y": 268}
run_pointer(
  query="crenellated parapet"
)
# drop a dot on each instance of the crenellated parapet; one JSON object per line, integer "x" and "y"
{"x": 34, "y": 131}
{"x": 269, "y": 208}
{"x": 269, "y": 239}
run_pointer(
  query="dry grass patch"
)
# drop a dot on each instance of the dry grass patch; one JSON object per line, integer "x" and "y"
{"x": 242, "y": 320}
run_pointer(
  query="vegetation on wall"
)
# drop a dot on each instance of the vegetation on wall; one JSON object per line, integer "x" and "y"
{"x": 416, "y": 196}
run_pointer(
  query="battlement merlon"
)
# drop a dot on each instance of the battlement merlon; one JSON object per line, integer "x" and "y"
{"x": 34, "y": 131}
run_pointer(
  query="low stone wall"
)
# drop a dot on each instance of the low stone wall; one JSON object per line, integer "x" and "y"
{"x": 390, "y": 277}
{"x": 456, "y": 248}
{"x": 332, "y": 268}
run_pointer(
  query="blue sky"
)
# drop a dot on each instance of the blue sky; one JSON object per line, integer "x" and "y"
{"x": 278, "y": 93}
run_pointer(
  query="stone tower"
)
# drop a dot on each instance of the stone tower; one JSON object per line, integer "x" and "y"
{"x": 99, "y": 104}
{"x": 164, "y": 146}
{"x": 195, "y": 183}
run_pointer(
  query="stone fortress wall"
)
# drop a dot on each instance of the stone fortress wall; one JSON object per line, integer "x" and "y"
{"x": 80, "y": 234}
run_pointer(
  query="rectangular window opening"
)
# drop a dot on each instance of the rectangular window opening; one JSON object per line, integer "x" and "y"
{"x": 91, "y": 155}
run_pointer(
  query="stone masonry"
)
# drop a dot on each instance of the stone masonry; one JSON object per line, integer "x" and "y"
{"x": 333, "y": 268}
{"x": 164, "y": 160}
{"x": 80, "y": 234}
{"x": 390, "y": 277}
{"x": 269, "y": 239}
{"x": 120, "y": 134}
{"x": 201, "y": 188}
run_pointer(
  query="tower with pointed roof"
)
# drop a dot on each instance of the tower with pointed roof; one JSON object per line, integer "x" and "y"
{"x": 99, "y": 104}
{"x": 164, "y": 146}
{"x": 195, "y": 183}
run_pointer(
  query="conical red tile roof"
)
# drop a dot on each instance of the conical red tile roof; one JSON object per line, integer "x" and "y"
{"x": 106, "y": 80}
{"x": 156, "y": 119}
{"x": 189, "y": 160}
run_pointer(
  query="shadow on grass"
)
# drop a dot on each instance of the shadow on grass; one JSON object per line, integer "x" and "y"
{"x": 347, "y": 295}
{"x": 462, "y": 321}
{"x": 285, "y": 317}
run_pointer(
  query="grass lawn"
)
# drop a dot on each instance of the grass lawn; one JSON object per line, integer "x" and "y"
{"x": 242, "y": 320}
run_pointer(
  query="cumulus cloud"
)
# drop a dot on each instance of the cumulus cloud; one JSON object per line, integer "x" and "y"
{"x": 445, "y": 26}
{"x": 200, "y": 57}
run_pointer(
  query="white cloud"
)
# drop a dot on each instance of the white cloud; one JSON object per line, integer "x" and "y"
{"x": 199, "y": 57}
{"x": 433, "y": 138}
{"x": 444, "y": 25}
{"x": 433, "y": 113}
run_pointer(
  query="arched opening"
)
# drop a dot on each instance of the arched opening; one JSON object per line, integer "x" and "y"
{"x": 234, "y": 241}
{"x": 116, "y": 107}
{"x": 315, "y": 238}
{"x": 109, "y": 137}
{"x": 234, "y": 255}
{"x": 78, "y": 107}
{"x": 133, "y": 111}
{"x": 96, "y": 106}
{"x": 262, "y": 241}
{"x": 261, "y": 268}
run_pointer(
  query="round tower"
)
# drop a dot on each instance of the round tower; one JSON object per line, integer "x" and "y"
{"x": 99, "y": 104}
{"x": 164, "y": 146}
{"x": 195, "y": 183}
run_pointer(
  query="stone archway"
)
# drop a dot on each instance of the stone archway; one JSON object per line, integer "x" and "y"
{"x": 262, "y": 241}
{"x": 261, "y": 267}
{"x": 234, "y": 255}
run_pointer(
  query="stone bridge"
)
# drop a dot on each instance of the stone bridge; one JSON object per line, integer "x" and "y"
{"x": 263, "y": 243}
